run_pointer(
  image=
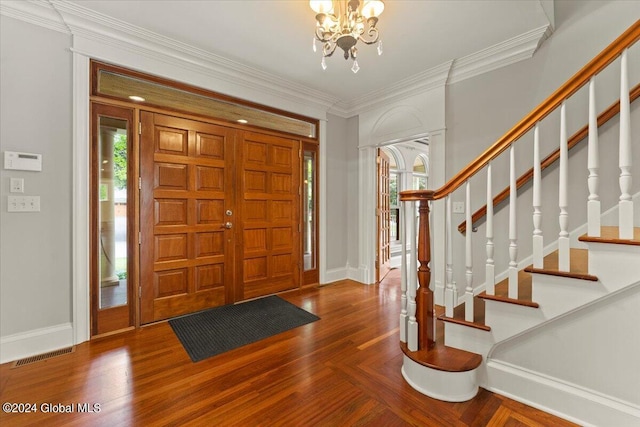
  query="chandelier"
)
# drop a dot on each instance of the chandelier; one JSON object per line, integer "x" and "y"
{"x": 346, "y": 26}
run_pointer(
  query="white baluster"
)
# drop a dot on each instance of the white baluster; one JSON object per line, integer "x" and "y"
{"x": 490, "y": 267}
{"x": 403, "y": 274}
{"x": 538, "y": 242}
{"x": 513, "y": 230}
{"x": 625, "y": 206}
{"x": 412, "y": 327}
{"x": 451, "y": 294}
{"x": 468, "y": 293}
{"x": 593, "y": 164}
{"x": 563, "y": 239}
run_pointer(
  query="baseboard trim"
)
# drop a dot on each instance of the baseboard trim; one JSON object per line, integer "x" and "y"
{"x": 336, "y": 274}
{"x": 563, "y": 399}
{"x": 34, "y": 342}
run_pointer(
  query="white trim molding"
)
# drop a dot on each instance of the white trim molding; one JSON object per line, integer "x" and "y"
{"x": 560, "y": 397}
{"x": 499, "y": 55}
{"x": 36, "y": 341}
{"x": 80, "y": 201}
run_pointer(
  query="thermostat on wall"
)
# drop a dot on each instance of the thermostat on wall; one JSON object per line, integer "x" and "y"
{"x": 22, "y": 161}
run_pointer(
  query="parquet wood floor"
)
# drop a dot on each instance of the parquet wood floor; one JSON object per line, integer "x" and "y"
{"x": 343, "y": 370}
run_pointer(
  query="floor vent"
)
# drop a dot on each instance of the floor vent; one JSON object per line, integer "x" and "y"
{"x": 45, "y": 356}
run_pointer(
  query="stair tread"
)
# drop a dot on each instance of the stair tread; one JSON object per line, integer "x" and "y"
{"x": 458, "y": 315}
{"x": 440, "y": 356}
{"x": 609, "y": 234}
{"x": 461, "y": 321}
{"x": 578, "y": 265}
{"x": 525, "y": 285}
{"x": 444, "y": 358}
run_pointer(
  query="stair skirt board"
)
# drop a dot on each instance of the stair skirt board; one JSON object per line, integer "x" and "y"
{"x": 560, "y": 398}
{"x": 441, "y": 385}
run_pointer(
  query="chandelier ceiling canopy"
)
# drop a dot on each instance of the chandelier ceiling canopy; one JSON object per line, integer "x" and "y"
{"x": 342, "y": 23}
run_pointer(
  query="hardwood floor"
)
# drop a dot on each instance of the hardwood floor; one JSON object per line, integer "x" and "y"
{"x": 342, "y": 370}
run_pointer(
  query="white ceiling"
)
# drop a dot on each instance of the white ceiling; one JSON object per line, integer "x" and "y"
{"x": 276, "y": 36}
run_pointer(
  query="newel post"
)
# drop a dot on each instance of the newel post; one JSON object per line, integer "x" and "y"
{"x": 425, "y": 312}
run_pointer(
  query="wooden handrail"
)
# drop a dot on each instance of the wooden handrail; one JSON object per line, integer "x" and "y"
{"x": 597, "y": 64}
{"x": 580, "y": 135}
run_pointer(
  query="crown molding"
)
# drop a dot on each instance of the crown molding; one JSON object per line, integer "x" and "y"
{"x": 87, "y": 23}
{"x": 83, "y": 23}
{"x": 499, "y": 55}
{"x": 429, "y": 79}
{"x": 38, "y": 13}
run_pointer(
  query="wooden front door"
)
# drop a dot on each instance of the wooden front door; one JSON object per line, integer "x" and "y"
{"x": 219, "y": 215}
{"x": 187, "y": 198}
{"x": 269, "y": 189}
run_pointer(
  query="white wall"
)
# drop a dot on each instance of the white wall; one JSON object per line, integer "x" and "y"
{"x": 337, "y": 195}
{"x": 482, "y": 109}
{"x": 35, "y": 113}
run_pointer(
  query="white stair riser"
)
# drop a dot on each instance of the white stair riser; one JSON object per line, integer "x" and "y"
{"x": 615, "y": 265}
{"x": 441, "y": 385}
{"x": 467, "y": 338}
{"x": 557, "y": 295}
{"x": 507, "y": 320}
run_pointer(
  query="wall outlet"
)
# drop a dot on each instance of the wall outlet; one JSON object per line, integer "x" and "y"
{"x": 23, "y": 204}
{"x": 17, "y": 185}
{"x": 458, "y": 207}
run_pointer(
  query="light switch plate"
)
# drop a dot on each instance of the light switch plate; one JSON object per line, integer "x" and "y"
{"x": 23, "y": 204}
{"x": 458, "y": 207}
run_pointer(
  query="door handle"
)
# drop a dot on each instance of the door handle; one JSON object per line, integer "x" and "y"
{"x": 227, "y": 225}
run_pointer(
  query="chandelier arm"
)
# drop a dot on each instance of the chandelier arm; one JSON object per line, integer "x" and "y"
{"x": 328, "y": 48}
{"x": 372, "y": 36}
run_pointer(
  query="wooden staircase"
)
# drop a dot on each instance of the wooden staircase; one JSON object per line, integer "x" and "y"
{"x": 579, "y": 270}
{"x": 448, "y": 348}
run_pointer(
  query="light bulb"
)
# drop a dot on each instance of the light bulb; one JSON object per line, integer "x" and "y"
{"x": 321, "y": 6}
{"x": 372, "y": 9}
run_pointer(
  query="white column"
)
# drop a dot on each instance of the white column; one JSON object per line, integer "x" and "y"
{"x": 468, "y": 293}
{"x": 513, "y": 230}
{"x": 412, "y": 327}
{"x": 593, "y": 164}
{"x": 490, "y": 266}
{"x": 625, "y": 221}
{"x": 538, "y": 241}
{"x": 451, "y": 294}
{"x": 563, "y": 239}
{"x": 367, "y": 225}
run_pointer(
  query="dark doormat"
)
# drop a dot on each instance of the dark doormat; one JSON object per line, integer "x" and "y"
{"x": 214, "y": 331}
